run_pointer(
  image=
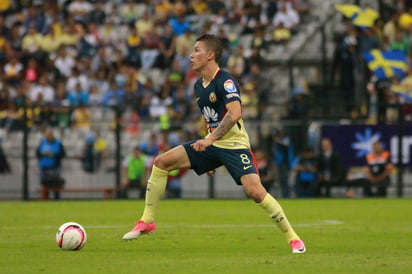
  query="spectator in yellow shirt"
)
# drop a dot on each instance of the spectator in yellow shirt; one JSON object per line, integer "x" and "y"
{"x": 50, "y": 42}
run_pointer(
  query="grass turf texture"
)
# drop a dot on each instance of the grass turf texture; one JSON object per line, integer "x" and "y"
{"x": 209, "y": 236}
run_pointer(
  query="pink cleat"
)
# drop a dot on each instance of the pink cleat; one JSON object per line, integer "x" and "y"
{"x": 141, "y": 228}
{"x": 297, "y": 246}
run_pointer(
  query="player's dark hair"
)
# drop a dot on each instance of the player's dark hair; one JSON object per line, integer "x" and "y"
{"x": 213, "y": 43}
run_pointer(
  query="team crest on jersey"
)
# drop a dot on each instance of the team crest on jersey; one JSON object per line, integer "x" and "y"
{"x": 212, "y": 97}
{"x": 229, "y": 86}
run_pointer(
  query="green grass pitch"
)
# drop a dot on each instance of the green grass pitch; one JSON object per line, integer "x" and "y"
{"x": 210, "y": 236}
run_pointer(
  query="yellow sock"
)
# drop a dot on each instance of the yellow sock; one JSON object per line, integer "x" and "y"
{"x": 275, "y": 211}
{"x": 155, "y": 188}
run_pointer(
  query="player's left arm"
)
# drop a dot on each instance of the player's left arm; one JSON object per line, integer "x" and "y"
{"x": 233, "y": 114}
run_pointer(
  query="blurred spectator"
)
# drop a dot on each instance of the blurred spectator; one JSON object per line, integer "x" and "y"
{"x": 32, "y": 72}
{"x": 80, "y": 10}
{"x": 78, "y": 96}
{"x": 33, "y": 112}
{"x": 344, "y": 64}
{"x": 95, "y": 97}
{"x": 167, "y": 47}
{"x": 151, "y": 48}
{"x": 306, "y": 174}
{"x": 378, "y": 170}
{"x": 287, "y": 16}
{"x": 50, "y": 42}
{"x": 251, "y": 18}
{"x": 109, "y": 33}
{"x": 175, "y": 77}
{"x": 135, "y": 45}
{"x": 11, "y": 120}
{"x": 34, "y": 16}
{"x": 174, "y": 183}
{"x": 297, "y": 107}
{"x": 77, "y": 78}
{"x": 183, "y": 58}
{"x": 3, "y": 48}
{"x": 215, "y": 6}
{"x": 150, "y": 148}
{"x": 97, "y": 15}
{"x": 198, "y": 6}
{"x": 131, "y": 121}
{"x": 130, "y": 11}
{"x": 283, "y": 156}
{"x": 134, "y": 173}
{"x": 114, "y": 96}
{"x": 13, "y": 71}
{"x": 64, "y": 63}
{"x": 159, "y": 104}
{"x": 180, "y": 25}
{"x": 47, "y": 117}
{"x": 88, "y": 41}
{"x": 367, "y": 40}
{"x": 163, "y": 9}
{"x": 131, "y": 98}
{"x": 14, "y": 45}
{"x": 234, "y": 13}
{"x": 390, "y": 27}
{"x": 328, "y": 168}
{"x": 50, "y": 154}
{"x": 399, "y": 43}
{"x": 44, "y": 88}
{"x": 4, "y": 163}
{"x": 281, "y": 34}
{"x": 144, "y": 24}
{"x": 249, "y": 101}
{"x": 181, "y": 105}
{"x": 261, "y": 85}
{"x": 61, "y": 107}
{"x": 81, "y": 119}
{"x": 304, "y": 8}
{"x": 236, "y": 62}
{"x": 258, "y": 40}
{"x": 101, "y": 149}
{"x": 266, "y": 169}
{"x": 185, "y": 42}
{"x": 32, "y": 41}
{"x": 88, "y": 154}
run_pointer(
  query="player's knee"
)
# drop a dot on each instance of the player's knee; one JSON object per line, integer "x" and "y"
{"x": 159, "y": 161}
{"x": 257, "y": 194}
{"x": 162, "y": 161}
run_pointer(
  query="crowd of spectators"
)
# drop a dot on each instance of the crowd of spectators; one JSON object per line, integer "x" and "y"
{"x": 392, "y": 31}
{"x": 68, "y": 60}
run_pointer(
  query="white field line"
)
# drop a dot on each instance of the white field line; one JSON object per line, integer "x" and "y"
{"x": 188, "y": 225}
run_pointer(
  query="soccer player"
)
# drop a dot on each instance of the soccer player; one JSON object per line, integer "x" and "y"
{"x": 218, "y": 97}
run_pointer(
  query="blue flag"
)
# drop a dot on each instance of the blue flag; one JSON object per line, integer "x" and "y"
{"x": 386, "y": 64}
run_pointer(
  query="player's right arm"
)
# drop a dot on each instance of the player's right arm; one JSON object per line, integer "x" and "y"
{"x": 233, "y": 114}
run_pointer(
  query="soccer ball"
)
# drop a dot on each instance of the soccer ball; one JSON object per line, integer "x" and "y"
{"x": 71, "y": 236}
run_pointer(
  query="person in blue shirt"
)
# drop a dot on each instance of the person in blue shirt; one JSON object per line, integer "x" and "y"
{"x": 283, "y": 154}
{"x": 306, "y": 174}
{"x": 78, "y": 96}
{"x": 50, "y": 153}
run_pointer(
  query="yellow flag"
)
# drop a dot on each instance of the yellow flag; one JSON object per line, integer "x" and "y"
{"x": 348, "y": 10}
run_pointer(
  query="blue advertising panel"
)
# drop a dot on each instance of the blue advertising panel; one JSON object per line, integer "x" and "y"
{"x": 354, "y": 142}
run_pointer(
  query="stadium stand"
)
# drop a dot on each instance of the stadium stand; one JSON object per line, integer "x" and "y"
{"x": 133, "y": 55}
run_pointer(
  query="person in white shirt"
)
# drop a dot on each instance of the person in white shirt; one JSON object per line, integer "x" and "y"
{"x": 286, "y": 16}
{"x": 64, "y": 62}
{"x": 80, "y": 9}
{"x": 43, "y": 88}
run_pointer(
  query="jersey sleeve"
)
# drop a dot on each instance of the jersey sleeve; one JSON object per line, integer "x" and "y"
{"x": 229, "y": 90}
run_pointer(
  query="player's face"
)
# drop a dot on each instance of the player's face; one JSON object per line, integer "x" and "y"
{"x": 199, "y": 56}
